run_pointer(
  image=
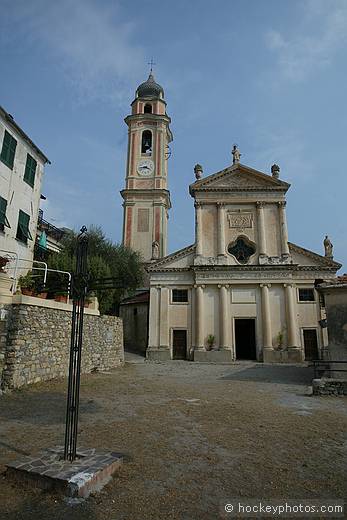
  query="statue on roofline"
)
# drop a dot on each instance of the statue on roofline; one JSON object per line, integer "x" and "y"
{"x": 236, "y": 154}
{"x": 328, "y": 247}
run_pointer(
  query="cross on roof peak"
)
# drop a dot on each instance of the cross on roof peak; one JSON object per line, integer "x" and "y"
{"x": 151, "y": 63}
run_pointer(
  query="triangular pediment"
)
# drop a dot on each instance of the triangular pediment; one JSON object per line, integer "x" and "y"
{"x": 239, "y": 177}
{"x": 177, "y": 260}
{"x": 302, "y": 257}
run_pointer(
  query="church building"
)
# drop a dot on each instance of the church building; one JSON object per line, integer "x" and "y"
{"x": 241, "y": 290}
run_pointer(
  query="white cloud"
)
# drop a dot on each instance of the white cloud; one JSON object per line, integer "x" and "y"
{"x": 89, "y": 41}
{"x": 320, "y": 34}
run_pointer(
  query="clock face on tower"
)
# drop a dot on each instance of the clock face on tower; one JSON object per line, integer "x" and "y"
{"x": 145, "y": 167}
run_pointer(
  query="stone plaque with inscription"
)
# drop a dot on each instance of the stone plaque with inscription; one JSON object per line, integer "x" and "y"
{"x": 240, "y": 220}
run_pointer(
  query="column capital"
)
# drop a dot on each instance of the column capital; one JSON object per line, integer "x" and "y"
{"x": 197, "y": 204}
{"x": 223, "y": 286}
{"x": 220, "y": 205}
{"x": 199, "y": 286}
{"x": 289, "y": 285}
{"x": 260, "y": 204}
{"x": 282, "y": 204}
{"x": 268, "y": 285}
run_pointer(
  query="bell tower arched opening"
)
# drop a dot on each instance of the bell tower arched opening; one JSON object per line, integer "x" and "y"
{"x": 146, "y": 142}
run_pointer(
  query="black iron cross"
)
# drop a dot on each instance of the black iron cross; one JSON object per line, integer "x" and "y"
{"x": 151, "y": 63}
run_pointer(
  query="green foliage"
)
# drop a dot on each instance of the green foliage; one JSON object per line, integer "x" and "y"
{"x": 280, "y": 339}
{"x": 31, "y": 281}
{"x": 27, "y": 281}
{"x": 210, "y": 340}
{"x": 105, "y": 260}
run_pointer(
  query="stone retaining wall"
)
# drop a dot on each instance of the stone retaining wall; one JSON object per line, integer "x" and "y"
{"x": 35, "y": 342}
{"x": 326, "y": 386}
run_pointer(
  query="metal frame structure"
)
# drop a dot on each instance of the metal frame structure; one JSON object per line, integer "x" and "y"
{"x": 81, "y": 284}
{"x": 79, "y": 288}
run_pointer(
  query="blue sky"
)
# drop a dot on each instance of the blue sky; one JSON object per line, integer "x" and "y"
{"x": 269, "y": 75}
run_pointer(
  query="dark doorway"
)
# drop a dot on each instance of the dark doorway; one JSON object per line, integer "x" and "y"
{"x": 245, "y": 339}
{"x": 179, "y": 344}
{"x": 310, "y": 344}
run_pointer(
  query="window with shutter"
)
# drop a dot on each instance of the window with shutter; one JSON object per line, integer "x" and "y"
{"x": 3, "y": 220}
{"x": 23, "y": 233}
{"x": 30, "y": 170}
{"x": 8, "y": 150}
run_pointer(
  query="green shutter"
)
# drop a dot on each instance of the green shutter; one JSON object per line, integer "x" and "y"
{"x": 3, "y": 204}
{"x": 30, "y": 170}
{"x": 23, "y": 232}
{"x": 3, "y": 219}
{"x": 8, "y": 151}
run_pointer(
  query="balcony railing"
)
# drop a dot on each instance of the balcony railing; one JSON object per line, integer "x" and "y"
{"x": 50, "y": 229}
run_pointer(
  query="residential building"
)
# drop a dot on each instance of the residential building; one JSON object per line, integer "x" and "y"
{"x": 22, "y": 166}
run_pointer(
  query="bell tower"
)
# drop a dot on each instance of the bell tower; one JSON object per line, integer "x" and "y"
{"x": 146, "y": 197}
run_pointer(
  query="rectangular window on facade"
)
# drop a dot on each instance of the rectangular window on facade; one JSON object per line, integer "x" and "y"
{"x": 306, "y": 295}
{"x": 143, "y": 219}
{"x": 30, "y": 170}
{"x": 8, "y": 150}
{"x": 23, "y": 233}
{"x": 3, "y": 220}
{"x": 179, "y": 296}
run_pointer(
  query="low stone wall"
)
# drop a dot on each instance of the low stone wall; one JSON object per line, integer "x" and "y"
{"x": 327, "y": 386}
{"x": 35, "y": 342}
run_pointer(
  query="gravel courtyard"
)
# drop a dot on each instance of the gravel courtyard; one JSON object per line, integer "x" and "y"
{"x": 192, "y": 435}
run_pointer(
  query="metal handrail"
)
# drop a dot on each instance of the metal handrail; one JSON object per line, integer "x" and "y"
{"x": 45, "y": 269}
{"x": 55, "y": 271}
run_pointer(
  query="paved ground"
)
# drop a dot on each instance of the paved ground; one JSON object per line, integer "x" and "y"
{"x": 193, "y": 435}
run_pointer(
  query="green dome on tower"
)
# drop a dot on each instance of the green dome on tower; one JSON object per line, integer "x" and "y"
{"x": 150, "y": 89}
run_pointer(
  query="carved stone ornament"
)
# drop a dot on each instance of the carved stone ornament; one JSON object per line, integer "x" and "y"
{"x": 240, "y": 220}
{"x": 198, "y": 171}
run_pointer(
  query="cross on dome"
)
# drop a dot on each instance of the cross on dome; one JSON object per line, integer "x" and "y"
{"x": 151, "y": 63}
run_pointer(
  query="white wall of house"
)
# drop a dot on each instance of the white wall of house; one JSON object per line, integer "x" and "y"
{"x": 19, "y": 194}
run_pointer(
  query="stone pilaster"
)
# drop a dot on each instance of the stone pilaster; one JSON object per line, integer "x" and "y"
{"x": 266, "y": 316}
{"x": 164, "y": 340}
{"x": 283, "y": 229}
{"x": 199, "y": 316}
{"x": 221, "y": 228}
{"x": 224, "y": 317}
{"x": 261, "y": 230}
{"x": 198, "y": 228}
{"x": 154, "y": 318}
{"x": 292, "y": 323}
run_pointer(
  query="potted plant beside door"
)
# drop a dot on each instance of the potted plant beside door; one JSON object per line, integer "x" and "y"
{"x": 210, "y": 341}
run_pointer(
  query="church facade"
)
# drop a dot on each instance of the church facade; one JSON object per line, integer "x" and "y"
{"x": 241, "y": 290}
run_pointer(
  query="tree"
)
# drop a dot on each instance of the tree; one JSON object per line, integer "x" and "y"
{"x": 105, "y": 260}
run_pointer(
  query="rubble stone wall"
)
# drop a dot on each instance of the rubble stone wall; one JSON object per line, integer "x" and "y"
{"x": 35, "y": 342}
{"x": 326, "y": 386}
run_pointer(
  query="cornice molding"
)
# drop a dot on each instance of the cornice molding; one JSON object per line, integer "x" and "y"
{"x": 172, "y": 257}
